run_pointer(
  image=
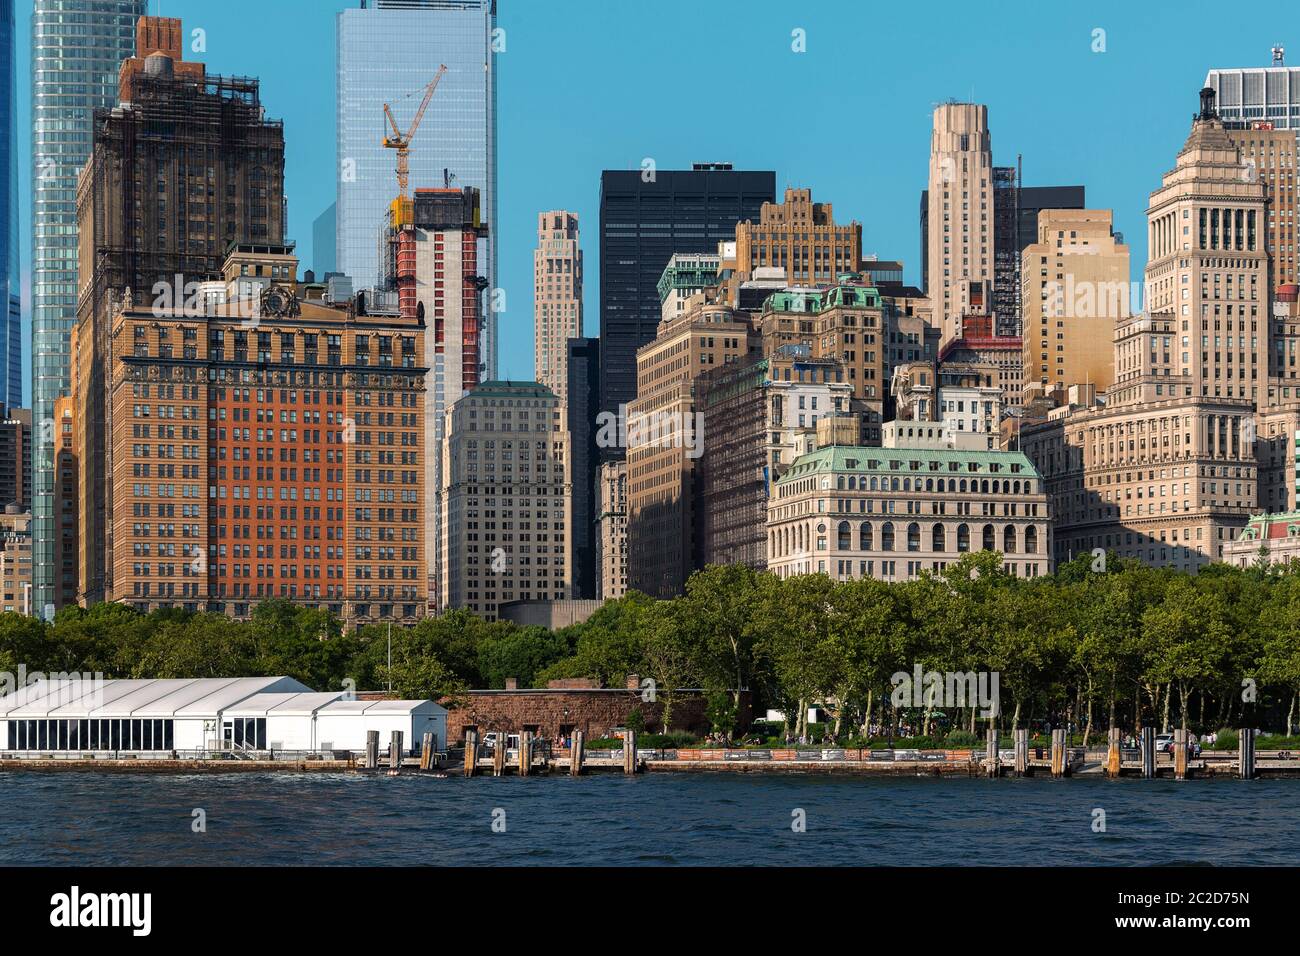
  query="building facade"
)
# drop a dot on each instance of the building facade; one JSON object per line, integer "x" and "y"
{"x": 1076, "y": 289}
{"x": 433, "y": 272}
{"x": 11, "y": 286}
{"x": 264, "y": 447}
{"x": 77, "y": 49}
{"x": 611, "y": 529}
{"x": 646, "y": 216}
{"x": 959, "y": 214}
{"x": 507, "y": 499}
{"x": 16, "y": 458}
{"x": 760, "y": 414}
{"x": 215, "y": 177}
{"x": 1270, "y": 156}
{"x": 557, "y": 297}
{"x": 892, "y": 513}
{"x": 665, "y": 439}
{"x": 388, "y": 52}
{"x": 583, "y": 397}
{"x": 800, "y": 237}
{"x": 686, "y": 274}
{"x": 66, "y": 474}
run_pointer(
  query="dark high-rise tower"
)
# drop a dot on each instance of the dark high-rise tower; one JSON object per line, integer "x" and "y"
{"x": 646, "y": 215}
{"x": 182, "y": 168}
{"x": 11, "y": 340}
{"x": 582, "y": 390}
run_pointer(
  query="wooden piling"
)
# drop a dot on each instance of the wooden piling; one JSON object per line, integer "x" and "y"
{"x": 499, "y": 755}
{"x": 629, "y": 751}
{"x": 1180, "y": 755}
{"x": 575, "y": 754}
{"x": 1113, "y": 756}
{"x": 471, "y": 752}
{"x": 426, "y": 752}
{"x": 1246, "y": 753}
{"x": 1022, "y": 752}
{"x": 372, "y": 749}
{"x": 992, "y": 765}
{"x": 526, "y": 753}
{"x": 1148, "y": 753}
{"x": 395, "y": 751}
{"x": 1058, "y": 753}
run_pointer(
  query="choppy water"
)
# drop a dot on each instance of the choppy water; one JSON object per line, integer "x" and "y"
{"x": 704, "y": 819}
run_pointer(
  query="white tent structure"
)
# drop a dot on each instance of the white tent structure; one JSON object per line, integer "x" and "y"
{"x": 242, "y": 714}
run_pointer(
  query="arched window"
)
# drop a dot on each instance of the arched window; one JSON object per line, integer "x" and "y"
{"x": 1031, "y": 540}
{"x": 938, "y": 538}
{"x": 913, "y": 537}
{"x": 864, "y": 536}
{"x": 874, "y": 486}
{"x": 1015, "y": 487}
{"x": 990, "y": 539}
{"x": 929, "y": 484}
{"x": 839, "y": 482}
{"x": 984, "y": 486}
{"x": 887, "y": 536}
{"x": 963, "y": 486}
{"x": 845, "y": 536}
{"x": 1009, "y": 539}
{"x": 963, "y": 538}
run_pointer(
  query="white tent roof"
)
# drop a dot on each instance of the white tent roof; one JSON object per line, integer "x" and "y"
{"x": 198, "y": 697}
{"x": 262, "y": 705}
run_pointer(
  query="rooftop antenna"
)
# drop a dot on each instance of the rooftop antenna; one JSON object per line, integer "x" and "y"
{"x": 1279, "y": 55}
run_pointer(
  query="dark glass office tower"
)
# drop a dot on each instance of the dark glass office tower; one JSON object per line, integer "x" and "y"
{"x": 11, "y": 343}
{"x": 645, "y": 217}
{"x": 583, "y": 391}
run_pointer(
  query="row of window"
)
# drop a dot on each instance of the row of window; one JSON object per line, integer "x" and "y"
{"x": 127, "y": 734}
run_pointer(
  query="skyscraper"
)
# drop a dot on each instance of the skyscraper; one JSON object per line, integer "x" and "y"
{"x": 77, "y": 47}
{"x": 1258, "y": 94}
{"x": 646, "y": 215}
{"x": 216, "y": 177}
{"x": 582, "y": 391}
{"x": 557, "y": 297}
{"x": 388, "y": 52}
{"x": 959, "y": 215}
{"x": 11, "y": 343}
{"x": 431, "y": 263}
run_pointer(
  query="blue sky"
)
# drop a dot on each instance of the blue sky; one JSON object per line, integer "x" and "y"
{"x": 586, "y": 85}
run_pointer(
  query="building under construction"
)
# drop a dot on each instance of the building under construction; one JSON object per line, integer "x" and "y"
{"x": 182, "y": 168}
{"x": 429, "y": 259}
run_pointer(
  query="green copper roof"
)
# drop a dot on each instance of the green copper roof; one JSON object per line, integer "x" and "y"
{"x": 818, "y": 300}
{"x": 857, "y": 459}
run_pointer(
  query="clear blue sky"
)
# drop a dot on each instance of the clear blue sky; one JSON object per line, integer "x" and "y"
{"x": 586, "y": 85}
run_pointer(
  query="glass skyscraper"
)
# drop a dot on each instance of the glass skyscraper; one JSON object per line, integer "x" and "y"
{"x": 77, "y": 47}
{"x": 11, "y": 320}
{"x": 388, "y": 52}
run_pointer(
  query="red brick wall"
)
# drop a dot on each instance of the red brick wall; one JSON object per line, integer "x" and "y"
{"x": 552, "y": 713}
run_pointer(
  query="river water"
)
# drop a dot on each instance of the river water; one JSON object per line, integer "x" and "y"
{"x": 692, "y": 819}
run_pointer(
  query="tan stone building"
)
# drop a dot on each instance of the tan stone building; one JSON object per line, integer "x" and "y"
{"x": 1166, "y": 471}
{"x": 611, "y": 529}
{"x": 801, "y": 237}
{"x": 264, "y": 447}
{"x": 557, "y": 297}
{"x": 892, "y": 513}
{"x": 507, "y": 499}
{"x": 1075, "y": 288}
{"x": 1208, "y": 269}
{"x": 959, "y": 212}
{"x": 1270, "y": 156}
{"x": 664, "y": 438}
{"x": 1169, "y": 481}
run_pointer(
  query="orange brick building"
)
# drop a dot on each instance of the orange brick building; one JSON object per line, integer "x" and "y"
{"x": 262, "y": 446}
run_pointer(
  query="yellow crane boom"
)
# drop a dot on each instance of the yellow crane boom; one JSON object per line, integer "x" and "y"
{"x": 402, "y": 142}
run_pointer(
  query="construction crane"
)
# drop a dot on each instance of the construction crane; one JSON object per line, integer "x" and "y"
{"x": 402, "y": 143}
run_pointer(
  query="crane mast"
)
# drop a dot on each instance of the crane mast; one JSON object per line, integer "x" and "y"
{"x": 402, "y": 143}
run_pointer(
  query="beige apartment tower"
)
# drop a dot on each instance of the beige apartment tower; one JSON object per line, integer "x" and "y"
{"x": 1075, "y": 289}
{"x": 557, "y": 298}
{"x": 960, "y": 211}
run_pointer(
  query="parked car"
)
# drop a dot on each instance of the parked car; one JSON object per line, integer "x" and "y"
{"x": 1164, "y": 743}
{"x": 490, "y": 741}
